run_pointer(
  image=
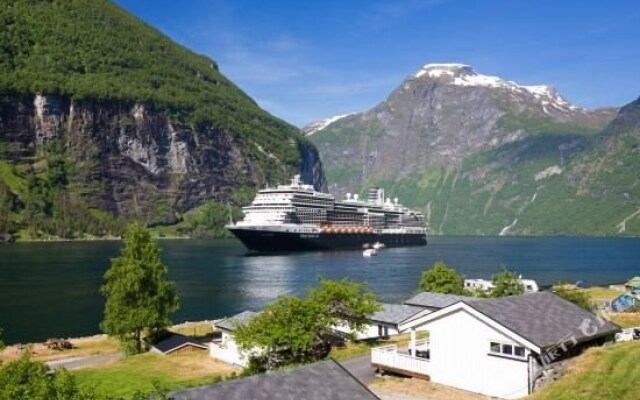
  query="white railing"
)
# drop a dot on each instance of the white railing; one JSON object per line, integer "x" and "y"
{"x": 388, "y": 356}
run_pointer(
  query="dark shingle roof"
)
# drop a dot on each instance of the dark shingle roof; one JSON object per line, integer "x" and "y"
{"x": 543, "y": 318}
{"x": 395, "y": 313}
{"x": 434, "y": 300}
{"x": 324, "y": 380}
{"x": 239, "y": 319}
{"x": 177, "y": 340}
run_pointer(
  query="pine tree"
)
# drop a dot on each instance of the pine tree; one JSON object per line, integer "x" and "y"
{"x": 139, "y": 295}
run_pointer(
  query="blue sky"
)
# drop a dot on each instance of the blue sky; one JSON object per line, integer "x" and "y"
{"x": 306, "y": 60}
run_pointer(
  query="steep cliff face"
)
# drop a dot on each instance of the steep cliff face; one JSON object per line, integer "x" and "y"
{"x": 136, "y": 162}
{"x": 483, "y": 155}
{"x": 104, "y": 119}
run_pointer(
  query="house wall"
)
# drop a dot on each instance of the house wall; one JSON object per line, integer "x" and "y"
{"x": 460, "y": 357}
{"x": 227, "y": 350}
{"x": 370, "y": 331}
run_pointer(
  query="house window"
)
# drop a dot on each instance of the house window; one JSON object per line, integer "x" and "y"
{"x": 383, "y": 331}
{"x": 505, "y": 349}
{"x": 495, "y": 347}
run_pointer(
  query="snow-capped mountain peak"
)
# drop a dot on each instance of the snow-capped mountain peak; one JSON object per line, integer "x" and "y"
{"x": 464, "y": 75}
{"x": 323, "y": 123}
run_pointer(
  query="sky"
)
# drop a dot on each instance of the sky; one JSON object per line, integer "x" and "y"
{"x": 305, "y": 60}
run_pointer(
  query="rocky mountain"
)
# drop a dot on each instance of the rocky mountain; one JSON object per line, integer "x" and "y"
{"x": 104, "y": 119}
{"x": 483, "y": 155}
{"x": 314, "y": 127}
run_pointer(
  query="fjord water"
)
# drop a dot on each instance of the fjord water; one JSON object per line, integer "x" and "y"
{"x": 52, "y": 289}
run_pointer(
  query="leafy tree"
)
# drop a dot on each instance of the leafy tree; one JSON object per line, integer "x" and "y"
{"x": 1, "y": 342}
{"x": 441, "y": 279}
{"x": 290, "y": 330}
{"x": 7, "y": 206}
{"x": 576, "y": 296}
{"x": 57, "y": 172}
{"x": 139, "y": 295}
{"x": 345, "y": 301}
{"x": 298, "y": 330}
{"x": 24, "y": 379}
{"x": 506, "y": 283}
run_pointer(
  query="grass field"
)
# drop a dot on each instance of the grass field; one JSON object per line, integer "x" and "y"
{"x": 137, "y": 373}
{"x": 603, "y": 373}
{"x": 203, "y": 329}
{"x": 625, "y": 320}
{"x": 602, "y": 293}
{"x": 89, "y": 346}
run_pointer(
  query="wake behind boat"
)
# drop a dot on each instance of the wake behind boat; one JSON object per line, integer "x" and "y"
{"x": 296, "y": 217}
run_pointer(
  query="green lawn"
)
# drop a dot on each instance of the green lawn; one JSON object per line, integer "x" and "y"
{"x": 626, "y": 320}
{"x": 605, "y": 373}
{"x": 603, "y": 293}
{"x": 137, "y": 373}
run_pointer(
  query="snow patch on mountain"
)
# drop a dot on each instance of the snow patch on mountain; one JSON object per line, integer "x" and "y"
{"x": 548, "y": 172}
{"x": 320, "y": 125}
{"x": 465, "y": 75}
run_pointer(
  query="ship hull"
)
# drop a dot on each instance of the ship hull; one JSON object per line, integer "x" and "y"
{"x": 263, "y": 240}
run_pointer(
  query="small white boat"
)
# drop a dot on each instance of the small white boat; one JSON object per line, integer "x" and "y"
{"x": 370, "y": 252}
{"x": 378, "y": 245}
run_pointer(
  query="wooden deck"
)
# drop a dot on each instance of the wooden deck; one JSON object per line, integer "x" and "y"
{"x": 398, "y": 371}
{"x": 391, "y": 359}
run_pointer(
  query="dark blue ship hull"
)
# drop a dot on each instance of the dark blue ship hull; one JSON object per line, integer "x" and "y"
{"x": 264, "y": 240}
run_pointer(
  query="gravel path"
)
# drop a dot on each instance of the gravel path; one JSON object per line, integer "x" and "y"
{"x": 81, "y": 362}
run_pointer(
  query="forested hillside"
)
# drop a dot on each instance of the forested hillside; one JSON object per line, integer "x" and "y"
{"x": 103, "y": 119}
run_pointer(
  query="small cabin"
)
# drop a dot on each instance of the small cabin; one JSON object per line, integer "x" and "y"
{"x": 177, "y": 343}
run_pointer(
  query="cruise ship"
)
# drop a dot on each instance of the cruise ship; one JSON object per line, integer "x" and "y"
{"x": 296, "y": 217}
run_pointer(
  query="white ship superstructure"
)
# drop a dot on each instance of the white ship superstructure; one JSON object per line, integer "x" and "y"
{"x": 299, "y": 209}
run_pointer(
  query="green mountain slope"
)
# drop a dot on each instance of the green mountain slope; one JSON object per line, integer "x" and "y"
{"x": 487, "y": 160}
{"x": 104, "y": 119}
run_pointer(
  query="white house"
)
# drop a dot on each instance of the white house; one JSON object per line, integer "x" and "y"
{"x": 384, "y": 323}
{"x": 227, "y": 349}
{"x": 496, "y": 347}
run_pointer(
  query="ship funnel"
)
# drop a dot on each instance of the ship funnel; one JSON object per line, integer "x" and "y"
{"x": 355, "y": 196}
{"x": 395, "y": 200}
{"x": 348, "y": 196}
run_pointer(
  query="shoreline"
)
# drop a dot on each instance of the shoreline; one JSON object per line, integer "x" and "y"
{"x": 90, "y": 345}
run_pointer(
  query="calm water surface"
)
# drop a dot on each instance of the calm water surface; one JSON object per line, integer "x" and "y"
{"x": 51, "y": 289}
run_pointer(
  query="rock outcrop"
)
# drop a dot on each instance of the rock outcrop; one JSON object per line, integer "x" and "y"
{"x": 137, "y": 162}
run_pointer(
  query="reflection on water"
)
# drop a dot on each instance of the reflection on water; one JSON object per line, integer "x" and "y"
{"x": 51, "y": 289}
{"x": 266, "y": 277}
